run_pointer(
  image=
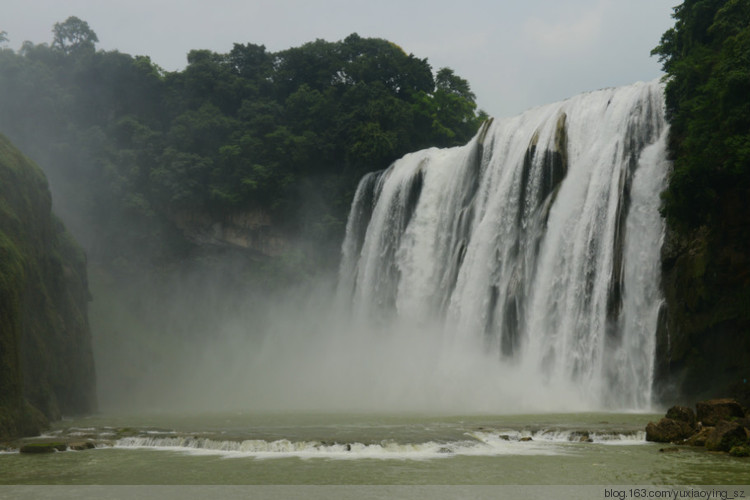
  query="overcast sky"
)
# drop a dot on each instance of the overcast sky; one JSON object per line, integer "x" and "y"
{"x": 515, "y": 54}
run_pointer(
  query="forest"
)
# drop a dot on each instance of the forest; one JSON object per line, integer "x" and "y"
{"x": 706, "y": 58}
{"x": 706, "y": 252}
{"x": 126, "y": 145}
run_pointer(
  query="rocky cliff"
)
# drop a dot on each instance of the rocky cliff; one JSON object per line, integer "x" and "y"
{"x": 251, "y": 230}
{"x": 46, "y": 361}
{"x": 703, "y": 343}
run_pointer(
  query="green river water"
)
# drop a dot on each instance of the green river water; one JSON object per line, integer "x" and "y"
{"x": 341, "y": 449}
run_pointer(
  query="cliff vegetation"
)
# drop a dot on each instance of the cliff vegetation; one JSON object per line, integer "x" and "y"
{"x": 46, "y": 362}
{"x": 133, "y": 152}
{"x": 704, "y": 342}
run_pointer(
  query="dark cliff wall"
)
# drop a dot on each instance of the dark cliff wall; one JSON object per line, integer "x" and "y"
{"x": 46, "y": 361}
{"x": 703, "y": 343}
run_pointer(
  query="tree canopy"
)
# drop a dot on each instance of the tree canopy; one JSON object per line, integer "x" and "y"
{"x": 73, "y": 35}
{"x": 706, "y": 56}
{"x": 126, "y": 143}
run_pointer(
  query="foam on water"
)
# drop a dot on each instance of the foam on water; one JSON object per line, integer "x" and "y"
{"x": 478, "y": 443}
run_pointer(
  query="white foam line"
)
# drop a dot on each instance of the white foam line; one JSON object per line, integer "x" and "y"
{"x": 483, "y": 446}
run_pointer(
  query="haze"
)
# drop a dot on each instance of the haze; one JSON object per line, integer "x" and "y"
{"x": 207, "y": 337}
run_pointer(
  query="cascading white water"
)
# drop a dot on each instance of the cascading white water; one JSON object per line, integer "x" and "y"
{"x": 537, "y": 244}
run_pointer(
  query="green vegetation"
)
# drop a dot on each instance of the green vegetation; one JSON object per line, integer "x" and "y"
{"x": 46, "y": 363}
{"x": 707, "y": 60}
{"x": 127, "y": 146}
{"x": 703, "y": 348}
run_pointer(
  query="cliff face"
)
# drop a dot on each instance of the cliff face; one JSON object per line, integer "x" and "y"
{"x": 46, "y": 361}
{"x": 703, "y": 343}
{"x": 251, "y": 230}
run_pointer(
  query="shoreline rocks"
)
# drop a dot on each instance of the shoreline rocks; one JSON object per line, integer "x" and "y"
{"x": 37, "y": 446}
{"x": 711, "y": 412}
{"x": 718, "y": 424}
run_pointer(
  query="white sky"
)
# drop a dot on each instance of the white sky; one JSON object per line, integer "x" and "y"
{"x": 515, "y": 54}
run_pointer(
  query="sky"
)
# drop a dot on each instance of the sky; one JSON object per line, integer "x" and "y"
{"x": 515, "y": 54}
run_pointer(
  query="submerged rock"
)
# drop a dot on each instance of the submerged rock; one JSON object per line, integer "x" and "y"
{"x": 581, "y": 437}
{"x": 81, "y": 445}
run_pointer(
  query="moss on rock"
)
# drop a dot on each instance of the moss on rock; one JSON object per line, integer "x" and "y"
{"x": 46, "y": 361}
{"x": 703, "y": 342}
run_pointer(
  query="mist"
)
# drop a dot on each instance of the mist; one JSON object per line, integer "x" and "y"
{"x": 213, "y": 218}
{"x": 209, "y": 348}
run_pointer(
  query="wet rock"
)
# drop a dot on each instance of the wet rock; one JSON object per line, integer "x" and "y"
{"x": 742, "y": 450}
{"x": 10, "y": 447}
{"x": 581, "y": 437}
{"x": 504, "y": 437}
{"x": 668, "y": 430}
{"x": 683, "y": 414}
{"x": 671, "y": 449}
{"x": 711, "y": 412}
{"x": 700, "y": 437}
{"x": 81, "y": 445}
{"x": 525, "y": 439}
{"x": 726, "y": 435}
{"x": 43, "y": 447}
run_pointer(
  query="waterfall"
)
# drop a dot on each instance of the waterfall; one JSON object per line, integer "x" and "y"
{"x": 537, "y": 243}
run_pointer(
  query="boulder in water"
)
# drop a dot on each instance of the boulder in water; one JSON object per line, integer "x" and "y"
{"x": 81, "y": 445}
{"x": 683, "y": 414}
{"x": 668, "y": 430}
{"x": 725, "y": 436}
{"x": 43, "y": 447}
{"x": 699, "y": 438}
{"x": 711, "y": 412}
{"x": 581, "y": 437}
{"x": 740, "y": 451}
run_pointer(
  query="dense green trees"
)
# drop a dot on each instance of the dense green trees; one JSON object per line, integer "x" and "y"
{"x": 703, "y": 346}
{"x": 73, "y": 35}
{"x": 707, "y": 60}
{"x": 126, "y": 143}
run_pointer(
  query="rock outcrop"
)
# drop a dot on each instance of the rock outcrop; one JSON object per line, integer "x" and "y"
{"x": 725, "y": 435}
{"x": 711, "y": 412}
{"x": 703, "y": 346}
{"x": 46, "y": 361}
{"x": 668, "y": 430}
{"x": 720, "y": 425}
{"x": 251, "y": 230}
